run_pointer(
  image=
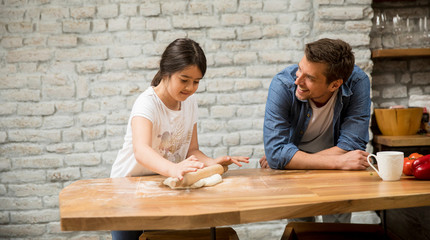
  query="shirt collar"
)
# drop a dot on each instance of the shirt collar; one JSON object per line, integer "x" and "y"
{"x": 346, "y": 91}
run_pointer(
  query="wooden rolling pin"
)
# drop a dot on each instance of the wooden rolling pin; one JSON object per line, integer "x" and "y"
{"x": 192, "y": 177}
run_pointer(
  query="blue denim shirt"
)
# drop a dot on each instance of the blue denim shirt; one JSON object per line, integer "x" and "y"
{"x": 286, "y": 117}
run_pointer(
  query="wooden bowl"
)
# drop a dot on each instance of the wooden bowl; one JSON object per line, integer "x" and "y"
{"x": 399, "y": 121}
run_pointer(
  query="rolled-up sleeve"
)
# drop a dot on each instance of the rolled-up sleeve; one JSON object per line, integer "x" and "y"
{"x": 277, "y": 128}
{"x": 354, "y": 128}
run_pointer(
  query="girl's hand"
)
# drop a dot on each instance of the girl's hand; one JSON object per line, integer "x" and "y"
{"x": 227, "y": 160}
{"x": 190, "y": 164}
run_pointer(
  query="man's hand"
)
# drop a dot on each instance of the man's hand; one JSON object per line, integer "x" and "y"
{"x": 353, "y": 160}
{"x": 263, "y": 162}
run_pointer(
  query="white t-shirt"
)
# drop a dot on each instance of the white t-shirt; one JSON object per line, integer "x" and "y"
{"x": 319, "y": 133}
{"x": 171, "y": 132}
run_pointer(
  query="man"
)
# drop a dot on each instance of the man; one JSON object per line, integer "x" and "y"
{"x": 317, "y": 112}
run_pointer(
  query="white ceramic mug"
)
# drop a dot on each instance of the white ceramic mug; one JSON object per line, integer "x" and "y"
{"x": 390, "y": 164}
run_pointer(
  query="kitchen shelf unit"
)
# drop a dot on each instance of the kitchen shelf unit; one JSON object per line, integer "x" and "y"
{"x": 401, "y": 52}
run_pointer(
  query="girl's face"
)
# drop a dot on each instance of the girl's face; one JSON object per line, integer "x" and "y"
{"x": 181, "y": 85}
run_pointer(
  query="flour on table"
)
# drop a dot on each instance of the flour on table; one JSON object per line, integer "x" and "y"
{"x": 204, "y": 182}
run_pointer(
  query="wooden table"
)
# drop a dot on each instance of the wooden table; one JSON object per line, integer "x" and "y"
{"x": 244, "y": 196}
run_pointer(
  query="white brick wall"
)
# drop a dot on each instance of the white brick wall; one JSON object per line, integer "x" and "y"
{"x": 401, "y": 82}
{"x": 71, "y": 70}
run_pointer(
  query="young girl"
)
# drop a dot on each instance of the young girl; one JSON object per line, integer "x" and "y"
{"x": 162, "y": 129}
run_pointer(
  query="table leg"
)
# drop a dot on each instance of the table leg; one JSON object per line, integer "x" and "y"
{"x": 213, "y": 233}
{"x": 384, "y": 216}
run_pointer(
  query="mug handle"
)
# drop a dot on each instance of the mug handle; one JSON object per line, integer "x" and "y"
{"x": 368, "y": 157}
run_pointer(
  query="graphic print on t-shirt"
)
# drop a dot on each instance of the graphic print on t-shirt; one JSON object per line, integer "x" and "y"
{"x": 172, "y": 142}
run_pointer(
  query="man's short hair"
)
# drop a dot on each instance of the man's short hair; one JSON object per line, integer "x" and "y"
{"x": 336, "y": 54}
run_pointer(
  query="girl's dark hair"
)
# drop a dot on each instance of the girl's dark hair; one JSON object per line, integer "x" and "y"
{"x": 337, "y": 54}
{"x": 180, "y": 54}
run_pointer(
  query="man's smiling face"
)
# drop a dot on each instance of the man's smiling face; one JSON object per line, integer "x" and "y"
{"x": 312, "y": 83}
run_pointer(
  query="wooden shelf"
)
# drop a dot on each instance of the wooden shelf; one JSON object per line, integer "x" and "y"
{"x": 394, "y": 0}
{"x": 409, "y": 52}
{"x": 402, "y": 141}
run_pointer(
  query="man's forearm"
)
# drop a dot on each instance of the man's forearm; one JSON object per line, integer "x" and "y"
{"x": 302, "y": 160}
{"x": 332, "y": 151}
{"x": 349, "y": 160}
